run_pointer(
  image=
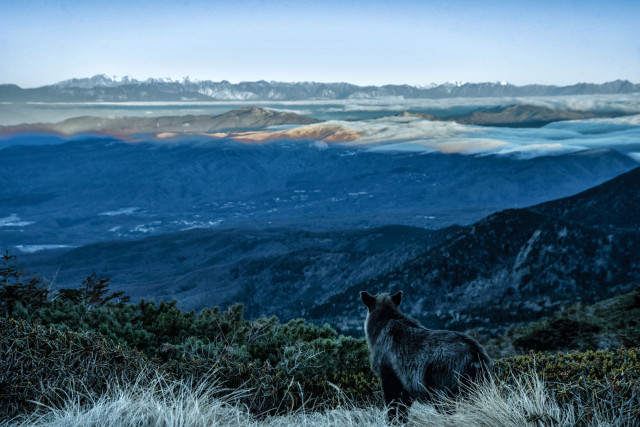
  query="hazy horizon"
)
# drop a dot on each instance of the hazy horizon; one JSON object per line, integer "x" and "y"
{"x": 408, "y": 42}
{"x": 117, "y": 77}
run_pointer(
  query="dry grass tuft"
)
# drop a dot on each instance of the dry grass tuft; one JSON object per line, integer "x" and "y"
{"x": 161, "y": 402}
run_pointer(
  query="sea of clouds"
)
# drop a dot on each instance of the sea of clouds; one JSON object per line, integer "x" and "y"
{"x": 379, "y": 129}
{"x": 628, "y": 103}
{"x": 415, "y": 134}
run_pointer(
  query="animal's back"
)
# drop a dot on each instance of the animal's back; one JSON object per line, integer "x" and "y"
{"x": 413, "y": 361}
{"x": 429, "y": 360}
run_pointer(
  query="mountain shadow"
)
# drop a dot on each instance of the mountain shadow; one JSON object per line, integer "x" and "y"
{"x": 516, "y": 265}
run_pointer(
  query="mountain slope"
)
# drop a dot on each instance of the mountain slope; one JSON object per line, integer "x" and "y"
{"x": 521, "y": 116}
{"x": 517, "y": 265}
{"x": 272, "y": 271}
{"x": 517, "y": 115}
{"x": 588, "y": 207}
{"x": 514, "y": 266}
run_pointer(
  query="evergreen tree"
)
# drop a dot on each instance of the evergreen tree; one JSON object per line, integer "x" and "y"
{"x": 13, "y": 290}
{"x": 93, "y": 292}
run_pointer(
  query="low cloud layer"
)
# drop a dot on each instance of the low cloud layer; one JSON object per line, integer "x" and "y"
{"x": 627, "y": 103}
{"x": 423, "y": 135}
{"x": 417, "y": 134}
{"x": 358, "y": 122}
{"x": 393, "y": 133}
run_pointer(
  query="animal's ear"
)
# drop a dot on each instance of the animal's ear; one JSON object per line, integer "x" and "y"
{"x": 368, "y": 299}
{"x": 397, "y": 298}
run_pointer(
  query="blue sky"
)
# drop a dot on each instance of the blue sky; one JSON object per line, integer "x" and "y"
{"x": 362, "y": 42}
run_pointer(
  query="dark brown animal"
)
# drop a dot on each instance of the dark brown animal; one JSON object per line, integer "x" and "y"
{"x": 413, "y": 362}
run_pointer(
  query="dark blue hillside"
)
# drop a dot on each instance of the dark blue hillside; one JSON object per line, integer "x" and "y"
{"x": 91, "y": 190}
{"x": 513, "y": 266}
{"x": 517, "y": 265}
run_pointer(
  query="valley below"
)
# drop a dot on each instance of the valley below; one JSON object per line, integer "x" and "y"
{"x": 486, "y": 218}
{"x": 514, "y": 266}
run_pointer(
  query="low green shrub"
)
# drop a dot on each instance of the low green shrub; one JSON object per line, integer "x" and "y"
{"x": 610, "y": 323}
{"x": 591, "y": 381}
{"x": 283, "y": 366}
{"x": 145, "y": 326}
{"x": 43, "y": 364}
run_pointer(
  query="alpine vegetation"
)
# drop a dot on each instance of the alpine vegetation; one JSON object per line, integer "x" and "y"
{"x": 416, "y": 363}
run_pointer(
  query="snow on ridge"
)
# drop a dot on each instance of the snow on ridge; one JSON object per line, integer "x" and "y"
{"x": 121, "y": 211}
{"x": 227, "y": 94}
{"x": 29, "y": 249}
{"x": 13, "y": 220}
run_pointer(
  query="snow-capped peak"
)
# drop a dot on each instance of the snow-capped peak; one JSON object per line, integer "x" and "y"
{"x": 98, "y": 80}
{"x": 427, "y": 85}
{"x": 455, "y": 83}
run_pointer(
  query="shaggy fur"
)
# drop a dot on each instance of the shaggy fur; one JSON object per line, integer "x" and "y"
{"x": 414, "y": 362}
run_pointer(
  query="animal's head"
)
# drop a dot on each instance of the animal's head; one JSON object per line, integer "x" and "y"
{"x": 380, "y": 301}
{"x": 382, "y": 308}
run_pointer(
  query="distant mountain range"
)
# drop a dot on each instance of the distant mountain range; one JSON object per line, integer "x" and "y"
{"x": 513, "y": 266}
{"x": 234, "y": 123}
{"x": 520, "y": 115}
{"x": 246, "y": 118}
{"x": 101, "y": 88}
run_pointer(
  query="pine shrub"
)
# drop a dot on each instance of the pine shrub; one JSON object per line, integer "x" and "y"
{"x": 42, "y": 364}
{"x": 605, "y": 380}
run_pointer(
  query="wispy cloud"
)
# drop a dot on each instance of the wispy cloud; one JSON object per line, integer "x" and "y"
{"x": 410, "y": 133}
{"x": 415, "y": 134}
{"x": 627, "y": 103}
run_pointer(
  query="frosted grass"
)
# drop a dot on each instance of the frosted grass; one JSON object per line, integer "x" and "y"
{"x": 162, "y": 402}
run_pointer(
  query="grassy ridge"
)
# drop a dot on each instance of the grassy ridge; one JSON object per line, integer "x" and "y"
{"x": 85, "y": 379}
{"x": 524, "y": 403}
{"x": 83, "y": 348}
{"x": 61, "y": 368}
{"x": 285, "y": 365}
